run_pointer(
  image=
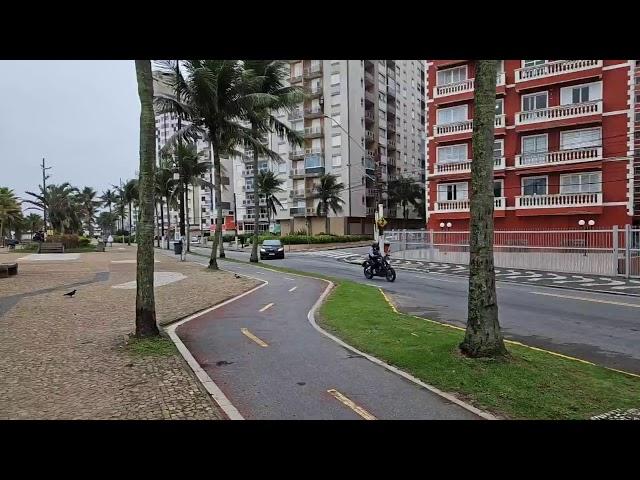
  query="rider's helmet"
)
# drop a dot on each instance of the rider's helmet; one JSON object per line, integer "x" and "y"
{"x": 375, "y": 245}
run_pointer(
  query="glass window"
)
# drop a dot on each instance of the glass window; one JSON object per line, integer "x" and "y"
{"x": 497, "y": 188}
{"x": 534, "y": 186}
{"x": 452, "y": 114}
{"x": 587, "y": 182}
{"x": 534, "y": 101}
{"x": 588, "y": 92}
{"x": 534, "y": 148}
{"x": 452, "y": 154}
{"x": 452, "y": 75}
{"x": 336, "y": 141}
{"x": 590, "y": 137}
{"x": 335, "y": 79}
{"x": 499, "y": 106}
{"x": 532, "y": 63}
{"x": 336, "y": 160}
{"x": 452, "y": 191}
{"x": 498, "y": 148}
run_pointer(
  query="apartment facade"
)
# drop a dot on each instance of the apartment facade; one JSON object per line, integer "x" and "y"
{"x": 363, "y": 122}
{"x": 563, "y": 149}
{"x": 636, "y": 166}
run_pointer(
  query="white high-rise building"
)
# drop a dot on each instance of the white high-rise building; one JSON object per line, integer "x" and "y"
{"x": 363, "y": 122}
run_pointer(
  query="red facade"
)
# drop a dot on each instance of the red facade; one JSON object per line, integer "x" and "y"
{"x": 564, "y": 143}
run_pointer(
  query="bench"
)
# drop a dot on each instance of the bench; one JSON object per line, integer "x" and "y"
{"x": 51, "y": 248}
{"x": 8, "y": 269}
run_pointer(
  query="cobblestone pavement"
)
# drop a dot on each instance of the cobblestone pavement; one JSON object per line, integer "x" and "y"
{"x": 65, "y": 358}
{"x": 592, "y": 283}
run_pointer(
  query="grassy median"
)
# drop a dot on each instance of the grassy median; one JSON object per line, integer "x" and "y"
{"x": 531, "y": 385}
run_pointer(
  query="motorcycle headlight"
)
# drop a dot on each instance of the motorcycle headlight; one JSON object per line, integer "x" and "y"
{"x": 281, "y": 249}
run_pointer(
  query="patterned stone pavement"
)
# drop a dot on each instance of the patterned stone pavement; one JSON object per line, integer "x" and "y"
{"x": 66, "y": 358}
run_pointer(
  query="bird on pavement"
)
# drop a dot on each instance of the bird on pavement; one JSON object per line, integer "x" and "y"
{"x": 237, "y": 276}
{"x": 70, "y": 294}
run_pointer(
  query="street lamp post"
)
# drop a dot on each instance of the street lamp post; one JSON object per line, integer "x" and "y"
{"x": 586, "y": 225}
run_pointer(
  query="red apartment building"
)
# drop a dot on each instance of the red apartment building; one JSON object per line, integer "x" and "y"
{"x": 564, "y": 143}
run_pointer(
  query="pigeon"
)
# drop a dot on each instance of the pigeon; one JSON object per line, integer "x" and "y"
{"x": 237, "y": 276}
{"x": 70, "y": 294}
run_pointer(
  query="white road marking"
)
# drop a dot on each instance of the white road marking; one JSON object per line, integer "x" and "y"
{"x": 596, "y": 300}
{"x": 250, "y": 335}
{"x": 289, "y": 278}
{"x": 268, "y": 305}
{"x": 292, "y": 289}
{"x": 351, "y": 404}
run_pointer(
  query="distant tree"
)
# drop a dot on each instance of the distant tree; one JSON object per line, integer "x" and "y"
{"x": 327, "y": 191}
{"x": 405, "y": 191}
{"x": 268, "y": 186}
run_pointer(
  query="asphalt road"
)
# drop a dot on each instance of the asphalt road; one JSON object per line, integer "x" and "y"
{"x": 601, "y": 328}
{"x": 270, "y": 362}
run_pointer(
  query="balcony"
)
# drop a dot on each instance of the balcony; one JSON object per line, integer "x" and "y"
{"x": 315, "y": 91}
{"x": 369, "y": 78}
{"x": 313, "y": 151}
{"x": 391, "y": 92}
{"x": 464, "y": 167}
{"x": 313, "y": 112}
{"x": 295, "y": 79}
{"x": 297, "y": 211}
{"x": 391, "y": 110}
{"x": 391, "y": 126}
{"x": 456, "y": 206}
{"x": 369, "y": 97}
{"x": 369, "y": 164}
{"x": 297, "y": 193}
{"x": 247, "y": 188}
{"x": 561, "y": 157}
{"x": 370, "y": 192}
{"x": 466, "y": 86}
{"x": 465, "y": 126}
{"x": 368, "y": 135}
{"x": 297, "y": 172}
{"x": 562, "y": 200}
{"x": 296, "y": 155}
{"x": 370, "y": 211}
{"x": 555, "y": 68}
{"x": 295, "y": 114}
{"x": 369, "y": 117}
{"x": 312, "y": 132}
{"x": 561, "y": 112}
{"x": 391, "y": 144}
{"x": 313, "y": 71}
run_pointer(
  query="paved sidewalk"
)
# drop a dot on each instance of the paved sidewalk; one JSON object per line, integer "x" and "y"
{"x": 65, "y": 358}
{"x": 591, "y": 283}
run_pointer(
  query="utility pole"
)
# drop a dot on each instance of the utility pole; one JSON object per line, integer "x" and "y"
{"x": 44, "y": 192}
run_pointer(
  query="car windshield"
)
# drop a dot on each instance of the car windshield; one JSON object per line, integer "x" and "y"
{"x": 271, "y": 243}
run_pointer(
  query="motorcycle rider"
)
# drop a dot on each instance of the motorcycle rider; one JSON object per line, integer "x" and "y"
{"x": 374, "y": 256}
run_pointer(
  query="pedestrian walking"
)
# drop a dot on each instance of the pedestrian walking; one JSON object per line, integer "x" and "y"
{"x": 110, "y": 240}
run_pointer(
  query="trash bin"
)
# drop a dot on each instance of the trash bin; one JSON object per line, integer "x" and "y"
{"x": 177, "y": 247}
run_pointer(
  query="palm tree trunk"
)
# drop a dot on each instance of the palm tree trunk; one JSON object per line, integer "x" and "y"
{"x": 145, "y": 299}
{"x": 256, "y": 197}
{"x": 187, "y": 221}
{"x": 130, "y": 225}
{"x": 161, "y": 218}
{"x": 483, "y": 337}
{"x": 217, "y": 235}
{"x": 326, "y": 222}
{"x": 155, "y": 221}
{"x": 168, "y": 225}
{"x": 222, "y": 254}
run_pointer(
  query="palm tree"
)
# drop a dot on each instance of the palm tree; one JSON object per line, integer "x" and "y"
{"x": 34, "y": 222}
{"x": 129, "y": 195}
{"x": 264, "y": 82}
{"x": 405, "y": 191}
{"x": 327, "y": 191}
{"x": 88, "y": 202}
{"x": 145, "y": 300}
{"x": 483, "y": 337}
{"x": 10, "y": 210}
{"x": 120, "y": 205}
{"x": 106, "y": 221}
{"x": 61, "y": 204}
{"x": 212, "y": 99}
{"x": 165, "y": 188}
{"x": 109, "y": 198}
{"x": 268, "y": 185}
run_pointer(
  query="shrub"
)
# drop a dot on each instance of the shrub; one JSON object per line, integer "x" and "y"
{"x": 121, "y": 232}
{"x": 68, "y": 240}
{"x": 84, "y": 241}
{"x": 302, "y": 239}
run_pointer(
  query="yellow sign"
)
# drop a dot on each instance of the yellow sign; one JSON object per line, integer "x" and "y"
{"x": 382, "y": 222}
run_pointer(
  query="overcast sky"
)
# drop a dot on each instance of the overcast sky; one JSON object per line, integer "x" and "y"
{"x": 81, "y": 116}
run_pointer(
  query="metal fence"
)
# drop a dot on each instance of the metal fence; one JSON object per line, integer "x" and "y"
{"x": 597, "y": 252}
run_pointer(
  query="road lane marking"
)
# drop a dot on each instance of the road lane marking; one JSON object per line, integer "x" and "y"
{"x": 247, "y": 333}
{"x": 268, "y": 305}
{"x": 289, "y": 278}
{"x": 351, "y": 404}
{"x": 292, "y": 289}
{"x": 587, "y": 299}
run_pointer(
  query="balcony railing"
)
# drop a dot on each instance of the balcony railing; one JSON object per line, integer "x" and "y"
{"x": 574, "y": 155}
{"x": 315, "y": 89}
{"x": 295, "y": 78}
{"x": 555, "y": 68}
{"x": 453, "y": 206}
{"x": 464, "y": 167}
{"x": 573, "y": 110}
{"x": 500, "y": 121}
{"x": 391, "y": 126}
{"x": 462, "y": 87}
{"x": 369, "y": 96}
{"x": 313, "y": 111}
{"x": 391, "y": 143}
{"x": 559, "y": 200}
{"x": 370, "y": 192}
{"x": 296, "y": 172}
{"x": 368, "y": 134}
{"x": 297, "y": 211}
{"x": 465, "y": 126}
{"x": 370, "y": 211}
{"x": 310, "y": 132}
{"x": 313, "y": 70}
{"x": 391, "y": 92}
{"x": 368, "y": 77}
{"x": 295, "y": 114}
{"x": 391, "y": 110}
{"x": 369, "y": 163}
{"x": 313, "y": 151}
{"x": 298, "y": 192}
{"x": 296, "y": 154}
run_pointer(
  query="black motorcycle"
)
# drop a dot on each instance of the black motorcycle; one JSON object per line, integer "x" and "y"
{"x": 383, "y": 269}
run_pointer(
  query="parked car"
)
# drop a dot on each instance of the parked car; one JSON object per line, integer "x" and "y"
{"x": 195, "y": 239}
{"x": 271, "y": 249}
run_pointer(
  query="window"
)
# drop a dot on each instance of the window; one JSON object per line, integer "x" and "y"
{"x": 336, "y": 120}
{"x": 452, "y": 75}
{"x": 452, "y": 154}
{"x": 336, "y": 160}
{"x": 312, "y": 161}
{"x": 497, "y": 188}
{"x": 587, "y": 92}
{"x": 534, "y": 101}
{"x": 587, "y": 182}
{"x": 336, "y": 140}
{"x": 500, "y": 106}
{"x": 452, "y": 114}
{"x": 585, "y": 138}
{"x": 498, "y": 148}
{"x": 282, "y": 167}
{"x": 532, "y": 63}
{"x": 534, "y": 186}
{"x": 534, "y": 148}
{"x": 335, "y": 79}
{"x": 452, "y": 191}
